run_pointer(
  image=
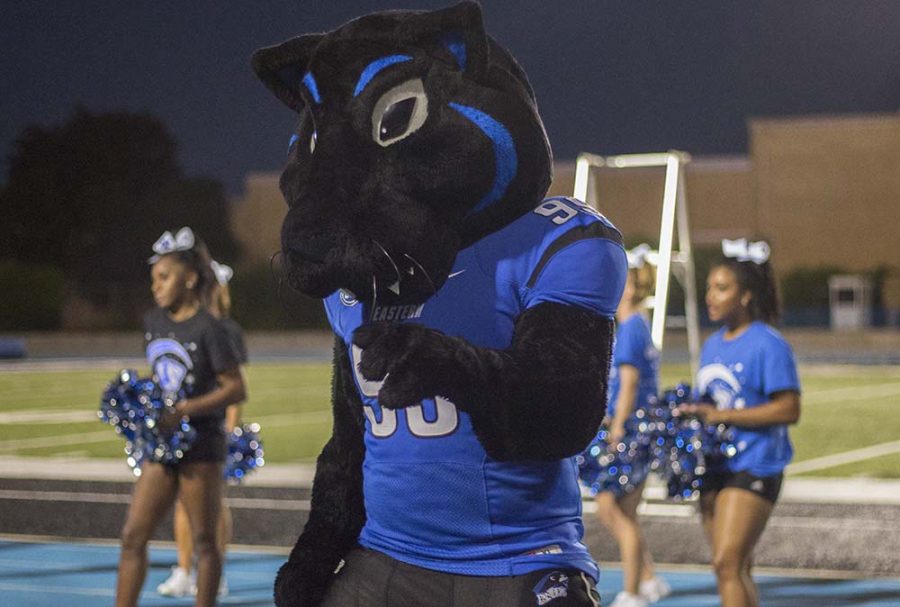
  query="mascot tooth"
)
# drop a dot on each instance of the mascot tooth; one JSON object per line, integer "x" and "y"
{"x": 473, "y": 317}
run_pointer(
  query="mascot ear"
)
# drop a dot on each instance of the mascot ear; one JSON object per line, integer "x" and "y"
{"x": 282, "y": 68}
{"x": 454, "y": 34}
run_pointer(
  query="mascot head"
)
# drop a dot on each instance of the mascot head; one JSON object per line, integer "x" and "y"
{"x": 418, "y": 135}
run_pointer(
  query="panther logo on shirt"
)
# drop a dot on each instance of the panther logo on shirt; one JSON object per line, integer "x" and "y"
{"x": 719, "y": 383}
{"x": 171, "y": 364}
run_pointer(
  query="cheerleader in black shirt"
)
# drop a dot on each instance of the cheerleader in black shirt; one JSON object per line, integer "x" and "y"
{"x": 189, "y": 350}
{"x": 182, "y": 581}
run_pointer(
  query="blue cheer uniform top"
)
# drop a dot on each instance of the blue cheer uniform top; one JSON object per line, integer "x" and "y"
{"x": 634, "y": 347}
{"x": 433, "y": 496}
{"x": 745, "y": 372}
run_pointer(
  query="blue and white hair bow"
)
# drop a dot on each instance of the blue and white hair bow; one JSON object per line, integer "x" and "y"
{"x": 223, "y": 273}
{"x": 743, "y": 250}
{"x": 640, "y": 255}
{"x": 183, "y": 240}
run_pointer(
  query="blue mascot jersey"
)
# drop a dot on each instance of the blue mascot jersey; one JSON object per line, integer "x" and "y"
{"x": 433, "y": 497}
{"x": 744, "y": 372}
{"x": 634, "y": 347}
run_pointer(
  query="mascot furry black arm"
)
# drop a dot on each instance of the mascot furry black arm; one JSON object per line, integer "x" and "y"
{"x": 473, "y": 318}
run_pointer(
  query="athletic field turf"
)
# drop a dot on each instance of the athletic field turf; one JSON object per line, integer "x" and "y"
{"x": 849, "y": 425}
{"x": 849, "y": 428}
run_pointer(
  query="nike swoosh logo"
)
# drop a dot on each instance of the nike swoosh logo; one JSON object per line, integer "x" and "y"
{"x": 455, "y": 274}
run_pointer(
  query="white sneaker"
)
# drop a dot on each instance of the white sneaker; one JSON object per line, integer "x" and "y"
{"x": 626, "y": 599}
{"x": 178, "y": 584}
{"x": 655, "y": 589}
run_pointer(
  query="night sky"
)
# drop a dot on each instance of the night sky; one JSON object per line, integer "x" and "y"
{"x": 610, "y": 77}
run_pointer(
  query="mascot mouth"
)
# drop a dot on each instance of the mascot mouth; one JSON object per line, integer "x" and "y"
{"x": 391, "y": 248}
{"x": 371, "y": 270}
{"x": 313, "y": 248}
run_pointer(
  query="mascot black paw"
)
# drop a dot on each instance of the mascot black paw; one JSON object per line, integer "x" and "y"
{"x": 413, "y": 362}
{"x": 473, "y": 317}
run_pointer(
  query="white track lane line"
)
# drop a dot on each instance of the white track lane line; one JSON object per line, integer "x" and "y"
{"x": 48, "y": 589}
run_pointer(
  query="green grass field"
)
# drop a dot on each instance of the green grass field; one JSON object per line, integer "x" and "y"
{"x": 48, "y": 413}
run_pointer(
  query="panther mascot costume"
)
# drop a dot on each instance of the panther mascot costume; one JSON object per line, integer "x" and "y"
{"x": 473, "y": 318}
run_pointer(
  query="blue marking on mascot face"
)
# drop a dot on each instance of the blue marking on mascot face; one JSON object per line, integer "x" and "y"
{"x": 310, "y": 83}
{"x": 292, "y": 141}
{"x": 376, "y": 66}
{"x": 504, "y": 153}
{"x": 457, "y": 47}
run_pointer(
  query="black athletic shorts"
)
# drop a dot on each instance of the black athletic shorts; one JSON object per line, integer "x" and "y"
{"x": 209, "y": 446}
{"x": 766, "y": 487}
{"x": 372, "y": 579}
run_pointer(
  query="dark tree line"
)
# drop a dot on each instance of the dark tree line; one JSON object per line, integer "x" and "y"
{"x": 90, "y": 196}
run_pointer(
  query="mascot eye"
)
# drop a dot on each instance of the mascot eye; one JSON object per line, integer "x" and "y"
{"x": 396, "y": 119}
{"x": 399, "y": 113}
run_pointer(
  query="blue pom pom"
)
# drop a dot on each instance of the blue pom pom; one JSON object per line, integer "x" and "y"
{"x": 679, "y": 448}
{"x": 619, "y": 468}
{"x": 245, "y": 453}
{"x": 683, "y": 448}
{"x": 133, "y": 406}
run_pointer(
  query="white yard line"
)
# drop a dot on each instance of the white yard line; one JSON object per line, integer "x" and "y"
{"x": 55, "y": 441}
{"x": 845, "y": 457}
{"x": 49, "y": 416}
{"x": 73, "y": 364}
{"x": 284, "y": 419}
{"x": 87, "y": 413}
{"x": 309, "y": 417}
{"x": 81, "y": 414}
{"x": 854, "y": 393}
{"x": 878, "y": 372}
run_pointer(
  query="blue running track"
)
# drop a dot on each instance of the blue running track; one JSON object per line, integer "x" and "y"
{"x": 82, "y": 575}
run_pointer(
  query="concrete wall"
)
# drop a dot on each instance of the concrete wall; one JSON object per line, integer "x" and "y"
{"x": 828, "y": 191}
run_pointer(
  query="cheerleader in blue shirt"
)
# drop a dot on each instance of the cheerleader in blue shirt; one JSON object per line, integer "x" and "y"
{"x": 633, "y": 386}
{"x": 749, "y": 373}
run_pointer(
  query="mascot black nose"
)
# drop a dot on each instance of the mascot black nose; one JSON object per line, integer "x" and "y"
{"x": 296, "y": 255}
{"x": 307, "y": 248}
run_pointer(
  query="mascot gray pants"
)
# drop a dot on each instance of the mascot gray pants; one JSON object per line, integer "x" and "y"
{"x": 373, "y": 579}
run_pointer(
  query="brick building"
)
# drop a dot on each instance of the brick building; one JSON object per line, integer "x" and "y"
{"x": 823, "y": 190}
